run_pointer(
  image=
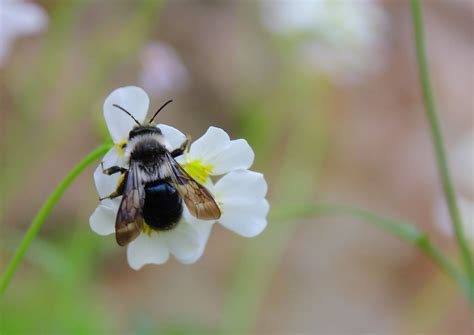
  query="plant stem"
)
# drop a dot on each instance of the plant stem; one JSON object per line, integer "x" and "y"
{"x": 405, "y": 231}
{"x": 44, "y": 212}
{"x": 241, "y": 308}
{"x": 437, "y": 138}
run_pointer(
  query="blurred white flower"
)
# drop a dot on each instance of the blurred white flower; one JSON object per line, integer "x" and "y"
{"x": 162, "y": 69}
{"x": 342, "y": 38}
{"x": 443, "y": 219}
{"x": 462, "y": 168}
{"x": 18, "y": 19}
{"x": 240, "y": 193}
{"x": 462, "y": 164}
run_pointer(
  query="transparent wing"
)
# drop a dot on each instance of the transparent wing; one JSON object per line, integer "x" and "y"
{"x": 129, "y": 221}
{"x": 198, "y": 199}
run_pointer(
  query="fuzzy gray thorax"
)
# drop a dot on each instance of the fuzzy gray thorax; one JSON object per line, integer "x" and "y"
{"x": 149, "y": 151}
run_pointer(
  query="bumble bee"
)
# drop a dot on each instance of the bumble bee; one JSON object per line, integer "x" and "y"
{"x": 154, "y": 186}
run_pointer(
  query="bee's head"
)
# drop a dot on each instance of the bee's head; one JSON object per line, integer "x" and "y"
{"x": 143, "y": 130}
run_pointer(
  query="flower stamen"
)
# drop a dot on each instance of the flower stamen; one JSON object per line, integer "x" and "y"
{"x": 198, "y": 170}
{"x": 147, "y": 230}
{"x": 120, "y": 146}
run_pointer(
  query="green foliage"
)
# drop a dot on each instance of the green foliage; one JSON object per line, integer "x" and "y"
{"x": 59, "y": 292}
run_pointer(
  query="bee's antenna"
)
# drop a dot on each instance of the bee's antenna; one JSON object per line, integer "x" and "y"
{"x": 123, "y": 109}
{"x": 164, "y": 105}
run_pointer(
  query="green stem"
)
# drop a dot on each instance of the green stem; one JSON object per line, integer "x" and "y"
{"x": 243, "y": 303}
{"x": 437, "y": 138}
{"x": 403, "y": 230}
{"x": 44, "y": 212}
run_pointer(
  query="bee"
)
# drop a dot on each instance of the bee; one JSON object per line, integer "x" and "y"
{"x": 154, "y": 187}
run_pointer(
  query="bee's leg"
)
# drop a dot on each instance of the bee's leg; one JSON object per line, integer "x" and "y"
{"x": 112, "y": 170}
{"x": 183, "y": 148}
{"x": 119, "y": 190}
{"x": 112, "y": 195}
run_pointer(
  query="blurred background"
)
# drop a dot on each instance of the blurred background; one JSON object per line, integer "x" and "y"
{"x": 328, "y": 96}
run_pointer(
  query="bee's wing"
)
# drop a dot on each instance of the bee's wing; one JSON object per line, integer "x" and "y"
{"x": 129, "y": 221}
{"x": 197, "y": 198}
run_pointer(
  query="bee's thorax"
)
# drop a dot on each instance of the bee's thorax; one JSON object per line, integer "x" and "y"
{"x": 145, "y": 145}
{"x": 148, "y": 149}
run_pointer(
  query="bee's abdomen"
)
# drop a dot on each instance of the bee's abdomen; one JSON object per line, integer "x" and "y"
{"x": 163, "y": 206}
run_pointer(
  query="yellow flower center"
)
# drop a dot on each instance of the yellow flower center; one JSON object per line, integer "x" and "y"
{"x": 147, "y": 230}
{"x": 198, "y": 170}
{"x": 120, "y": 146}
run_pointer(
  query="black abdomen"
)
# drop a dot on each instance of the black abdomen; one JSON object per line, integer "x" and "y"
{"x": 163, "y": 206}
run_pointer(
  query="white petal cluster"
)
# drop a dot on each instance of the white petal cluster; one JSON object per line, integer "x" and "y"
{"x": 240, "y": 192}
{"x": 17, "y": 19}
{"x": 342, "y": 38}
{"x": 214, "y": 160}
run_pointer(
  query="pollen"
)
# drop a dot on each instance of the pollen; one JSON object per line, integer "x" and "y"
{"x": 198, "y": 170}
{"x": 120, "y": 147}
{"x": 147, "y": 230}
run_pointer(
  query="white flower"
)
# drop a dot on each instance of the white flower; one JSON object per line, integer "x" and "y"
{"x": 443, "y": 219}
{"x": 214, "y": 154}
{"x": 186, "y": 242}
{"x": 462, "y": 163}
{"x": 18, "y": 19}
{"x": 342, "y": 38}
{"x": 240, "y": 193}
{"x": 162, "y": 69}
{"x": 241, "y": 197}
{"x": 462, "y": 167}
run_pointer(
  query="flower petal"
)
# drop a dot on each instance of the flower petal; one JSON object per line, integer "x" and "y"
{"x": 212, "y": 143}
{"x": 131, "y": 98}
{"x": 204, "y": 230}
{"x": 245, "y": 218}
{"x": 201, "y": 230}
{"x": 23, "y": 18}
{"x": 239, "y": 155}
{"x": 240, "y": 184}
{"x": 19, "y": 19}
{"x": 102, "y": 221}
{"x": 183, "y": 241}
{"x": 106, "y": 184}
{"x": 241, "y": 195}
{"x": 147, "y": 250}
{"x": 173, "y": 136}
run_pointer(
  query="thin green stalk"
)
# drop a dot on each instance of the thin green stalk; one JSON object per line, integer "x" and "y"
{"x": 44, "y": 212}
{"x": 239, "y": 314}
{"x": 406, "y": 231}
{"x": 437, "y": 138}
